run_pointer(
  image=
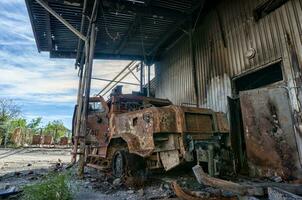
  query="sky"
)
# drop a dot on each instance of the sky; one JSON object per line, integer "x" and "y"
{"x": 41, "y": 86}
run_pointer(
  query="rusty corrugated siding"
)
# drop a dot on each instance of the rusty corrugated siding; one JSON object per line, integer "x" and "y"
{"x": 217, "y": 64}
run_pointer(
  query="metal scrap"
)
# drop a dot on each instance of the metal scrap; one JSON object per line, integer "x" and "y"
{"x": 279, "y": 194}
{"x": 189, "y": 195}
{"x": 205, "y": 179}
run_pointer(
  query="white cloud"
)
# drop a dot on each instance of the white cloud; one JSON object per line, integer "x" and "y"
{"x": 35, "y": 79}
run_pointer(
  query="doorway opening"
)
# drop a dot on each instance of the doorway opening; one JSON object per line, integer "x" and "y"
{"x": 265, "y": 76}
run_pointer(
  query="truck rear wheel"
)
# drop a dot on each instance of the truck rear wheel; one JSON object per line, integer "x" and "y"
{"x": 126, "y": 164}
{"x": 119, "y": 164}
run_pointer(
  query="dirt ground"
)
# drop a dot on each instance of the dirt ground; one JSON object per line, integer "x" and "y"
{"x": 23, "y": 166}
{"x": 16, "y": 160}
{"x": 19, "y": 167}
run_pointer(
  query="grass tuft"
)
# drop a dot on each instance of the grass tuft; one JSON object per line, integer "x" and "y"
{"x": 53, "y": 187}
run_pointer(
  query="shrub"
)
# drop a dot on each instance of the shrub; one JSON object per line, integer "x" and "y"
{"x": 53, "y": 187}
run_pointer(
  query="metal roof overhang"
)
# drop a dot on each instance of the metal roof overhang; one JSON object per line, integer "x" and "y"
{"x": 127, "y": 29}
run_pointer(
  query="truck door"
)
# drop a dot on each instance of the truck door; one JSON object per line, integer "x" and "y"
{"x": 97, "y": 124}
{"x": 269, "y": 132}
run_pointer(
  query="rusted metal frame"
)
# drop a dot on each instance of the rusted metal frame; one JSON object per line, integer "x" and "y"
{"x": 80, "y": 43}
{"x": 61, "y": 19}
{"x": 123, "y": 82}
{"x": 131, "y": 69}
{"x": 116, "y": 77}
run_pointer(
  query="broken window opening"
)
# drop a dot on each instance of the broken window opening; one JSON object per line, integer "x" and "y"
{"x": 263, "y": 77}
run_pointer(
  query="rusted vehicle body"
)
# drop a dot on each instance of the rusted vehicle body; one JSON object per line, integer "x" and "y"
{"x": 130, "y": 130}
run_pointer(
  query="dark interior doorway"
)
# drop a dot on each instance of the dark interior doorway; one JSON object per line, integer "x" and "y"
{"x": 263, "y": 77}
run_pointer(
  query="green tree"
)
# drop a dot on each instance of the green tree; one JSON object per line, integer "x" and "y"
{"x": 9, "y": 110}
{"x": 56, "y": 129}
{"x": 35, "y": 124}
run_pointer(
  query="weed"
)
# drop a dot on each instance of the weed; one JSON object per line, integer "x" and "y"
{"x": 53, "y": 187}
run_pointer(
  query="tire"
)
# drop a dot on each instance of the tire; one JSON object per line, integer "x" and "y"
{"x": 126, "y": 164}
{"x": 119, "y": 164}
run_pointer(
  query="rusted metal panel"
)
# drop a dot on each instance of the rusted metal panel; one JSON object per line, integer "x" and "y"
{"x": 137, "y": 127}
{"x": 269, "y": 135}
{"x": 222, "y": 122}
{"x": 170, "y": 159}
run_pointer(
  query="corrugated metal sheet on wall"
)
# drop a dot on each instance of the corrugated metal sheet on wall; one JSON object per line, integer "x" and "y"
{"x": 218, "y": 60}
{"x": 174, "y": 75}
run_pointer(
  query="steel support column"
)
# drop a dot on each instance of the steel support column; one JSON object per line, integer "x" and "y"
{"x": 89, "y": 51}
{"x": 80, "y": 92}
{"x": 142, "y": 77}
{"x": 149, "y": 85}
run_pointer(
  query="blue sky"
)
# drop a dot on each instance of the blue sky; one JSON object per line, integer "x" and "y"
{"x": 41, "y": 86}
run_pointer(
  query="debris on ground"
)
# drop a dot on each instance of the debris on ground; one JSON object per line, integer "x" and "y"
{"x": 8, "y": 191}
{"x": 279, "y": 194}
{"x": 189, "y": 195}
{"x": 236, "y": 188}
{"x": 177, "y": 184}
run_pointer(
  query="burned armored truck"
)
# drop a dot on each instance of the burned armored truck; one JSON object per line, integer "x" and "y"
{"x": 129, "y": 132}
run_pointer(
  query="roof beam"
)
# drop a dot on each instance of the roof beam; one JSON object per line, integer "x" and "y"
{"x": 128, "y": 36}
{"x": 61, "y": 19}
{"x": 173, "y": 29}
{"x": 105, "y": 56}
{"x": 128, "y": 7}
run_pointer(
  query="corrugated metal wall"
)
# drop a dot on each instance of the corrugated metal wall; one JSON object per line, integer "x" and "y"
{"x": 218, "y": 62}
{"x": 174, "y": 75}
